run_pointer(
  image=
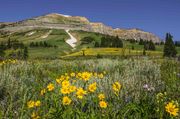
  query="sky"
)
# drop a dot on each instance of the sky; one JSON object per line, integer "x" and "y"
{"x": 156, "y": 16}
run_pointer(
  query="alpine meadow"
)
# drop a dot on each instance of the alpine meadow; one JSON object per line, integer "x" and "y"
{"x": 56, "y": 66}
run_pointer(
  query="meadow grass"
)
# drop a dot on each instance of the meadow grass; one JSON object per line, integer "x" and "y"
{"x": 112, "y": 52}
{"x": 32, "y": 89}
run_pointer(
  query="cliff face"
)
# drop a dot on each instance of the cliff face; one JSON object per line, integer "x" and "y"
{"x": 59, "y": 21}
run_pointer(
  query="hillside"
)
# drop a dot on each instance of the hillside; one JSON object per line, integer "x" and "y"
{"x": 59, "y": 21}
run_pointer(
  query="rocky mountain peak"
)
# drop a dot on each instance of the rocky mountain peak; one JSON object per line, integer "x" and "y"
{"x": 61, "y": 21}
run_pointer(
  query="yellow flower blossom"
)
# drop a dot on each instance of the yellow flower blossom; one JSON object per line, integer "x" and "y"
{"x": 58, "y": 81}
{"x": 72, "y": 88}
{"x": 37, "y": 103}
{"x": 95, "y": 74}
{"x": 86, "y": 76}
{"x": 65, "y": 83}
{"x": 80, "y": 93}
{"x": 66, "y": 100}
{"x": 43, "y": 91}
{"x": 50, "y": 87}
{"x": 92, "y": 87}
{"x": 31, "y": 104}
{"x": 65, "y": 90}
{"x": 103, "y": 104}
{"x": 34, "y": 116}
{"x": 101, "y": 76}
{"x": 116, "y": 86}
{"x": 172, "y": 108}
{"x": 73, "y": 74}
{"x": 101, "y": 96}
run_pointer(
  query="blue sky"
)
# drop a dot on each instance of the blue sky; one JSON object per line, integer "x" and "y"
{"x": 156, "y": 16}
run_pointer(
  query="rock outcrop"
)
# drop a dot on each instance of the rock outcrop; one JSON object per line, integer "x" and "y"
{"x": 59, "y": 21}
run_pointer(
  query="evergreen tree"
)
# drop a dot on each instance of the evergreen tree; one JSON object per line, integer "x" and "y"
{"x": 2, "y": 53}
{"x": 9, "y": 43}
{"x": 96, "y": 44}
{"x": 152, "y": 46}
{"x": 141, "y": 42}
{"x": 25, "y": 53}
{"x": 169, "y": 47}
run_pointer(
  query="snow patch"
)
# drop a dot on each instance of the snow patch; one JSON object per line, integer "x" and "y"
{"x": 31, "y": 33}
{"x": 72, "y": 40}
{"x": 64, "y": 15}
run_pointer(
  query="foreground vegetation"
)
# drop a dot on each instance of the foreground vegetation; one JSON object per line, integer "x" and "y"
{"x": 101, "y": 88}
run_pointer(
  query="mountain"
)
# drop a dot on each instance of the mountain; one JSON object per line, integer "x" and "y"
{"x": 60, "y": 21}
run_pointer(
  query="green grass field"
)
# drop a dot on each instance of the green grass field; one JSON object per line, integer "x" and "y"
{"x": 58, "y": 38}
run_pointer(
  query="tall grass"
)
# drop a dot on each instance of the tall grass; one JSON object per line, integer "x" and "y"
{"x": 141, "y": 80}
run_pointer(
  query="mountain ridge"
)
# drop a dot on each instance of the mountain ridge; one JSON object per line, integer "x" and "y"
{"x": 67, "y": 22}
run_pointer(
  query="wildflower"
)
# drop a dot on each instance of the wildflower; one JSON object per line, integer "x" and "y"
{"x": 103, "y": 104}
{"x": 172, "y": 108}
{"x": 34, "y": 116}
{"x": 31, "y": 104}
{"x": 50, "y": 87}
{"x": 58, "y": 81}
{"x": 95, "y": 74}
{"x": 101, "y": 96}
{"x": 65, "y": 90}
{"x": 65, "y": 83}
{"x": 66, "y": 100}
{"x": 37, "y": 103}
{"x": 104, "y": 72}
{"x": 101, "y": 76}
{"x": 80, "y": 93}
{"x": 79, "y": 74}
{"x": 43, "y": 91}
{"x": 73, "y": 74}
{"x": 67, "y": 78}
{"x": 86, "y": 76}
{"x": 116, "y": 86}
{"x": 92, "y": 87}
{"x": 72, "y": 88}
{"x": 160, "y": 97}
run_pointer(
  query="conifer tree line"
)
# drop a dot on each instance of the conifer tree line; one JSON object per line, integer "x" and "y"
{"x": 21, "y": 51}
{"x": 41, "y": 44}
{"x": 110, "y": 41}
{"x": 11, "y": 44}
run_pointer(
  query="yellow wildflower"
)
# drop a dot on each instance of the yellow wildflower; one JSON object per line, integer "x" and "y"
{"x": 43, "y": 91}
{"x": 86, "y": 76}
{"x": 31, "y": 104}
{"x": 58, "y": 81}
{"x": 73, "y": 74}
{"x": 72, "y": 88}
{"x": 101, "y": 96}
{"x": 65, "y": 90}
{"x": 80, "y": 93}
{"x": 95, "y": 74}
{"x": 34, "y": 116}
{"x": 172, "y": 108}
{"x": 65, "y": 83}
{"x": 67, "y": 78}
{"x": 101, "y": 76}
{"x": 79, "y": 74}
{"x": 116, "y": 86}
{"x": 92, "y": 87}
{"x": 37, "y": 103}
{"x": 50, "y": 87}
{"x": 66, "y": 100}
{"x": 103, "y": 104}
